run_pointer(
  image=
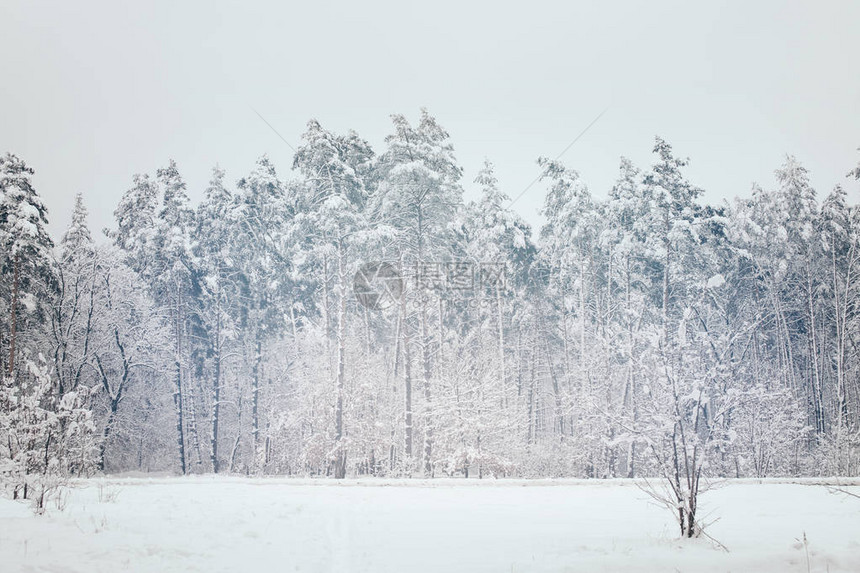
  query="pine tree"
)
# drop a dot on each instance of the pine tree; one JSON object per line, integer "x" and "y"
{"x": 263, "y": 216}
{"x": 418, "y": 193}
{"x": 26, "y": 248}
{"x": 153, "y": 230}
{"x": 74, "y": 308}
{"x": 172, "y": 285}
{"x": 496, "y": 242}
{"x": 213, "y": 234}
{"x": 674, "y": 225}
{"x": 136, "y": 229}
{"x": 334, "y": 221}
{"x": 570, "y": 261}
{"x": 625, "y": 245}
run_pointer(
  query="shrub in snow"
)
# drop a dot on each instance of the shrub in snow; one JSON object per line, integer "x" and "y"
{"x": 42, "y": 442}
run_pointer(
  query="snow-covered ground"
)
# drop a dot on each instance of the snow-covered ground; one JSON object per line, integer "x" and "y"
{"x": 249, "y": 525}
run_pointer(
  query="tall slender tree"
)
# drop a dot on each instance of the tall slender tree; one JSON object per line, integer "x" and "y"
{"x": 26, "y": 251}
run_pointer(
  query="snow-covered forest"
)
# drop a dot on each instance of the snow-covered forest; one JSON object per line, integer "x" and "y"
{"x": 357, "y": 316}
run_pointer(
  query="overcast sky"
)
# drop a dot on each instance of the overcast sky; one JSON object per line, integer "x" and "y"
{"x": 93, "y": 92}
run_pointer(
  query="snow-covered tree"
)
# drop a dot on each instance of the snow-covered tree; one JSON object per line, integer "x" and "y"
{"x": 43, "y": 442}
{"x": 219, "y": 293}
{"x": 418, "y": 192}
{"x": 333, "y": 221}
{"x": 263, "y": 212}
{"x": 25, "y": 263}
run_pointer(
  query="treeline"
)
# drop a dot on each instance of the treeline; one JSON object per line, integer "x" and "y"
{"x": 641, "y": 334}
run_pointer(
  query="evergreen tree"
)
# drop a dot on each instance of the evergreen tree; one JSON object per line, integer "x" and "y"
{"x": 333, "y": 220}
{"x": 218, "y": 304}
{"x": 73, "y": 309}
{"x": 25, "y": 264}
{"x": 419, "y": 191}
{"x": 263, "y": 212}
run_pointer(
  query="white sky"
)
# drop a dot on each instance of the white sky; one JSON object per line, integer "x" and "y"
{"x": 93, "y": 92}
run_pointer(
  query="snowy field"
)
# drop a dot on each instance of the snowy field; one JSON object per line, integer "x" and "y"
{"x": 248, "y": 525}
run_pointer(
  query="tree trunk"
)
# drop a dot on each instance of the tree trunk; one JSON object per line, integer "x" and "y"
{"x": 216, "y": 381}
{"x": 665, "y": 305}
{"x": 428, "y": 416}
{"x": 114, "y": 404}
{"x": 531, "y": 430}
{"x": 255, "y": 397}
{"x": 407, "y": 374}
{"x": 177, "y": 403}
{"x": 816, "y": 376}
{"x": 503, "y": 375}
{"x": 13, "y": 310}
{"x": 340, "y": 456}
{"x": 192, "y": 423}
{"x": 177, "y": 395}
